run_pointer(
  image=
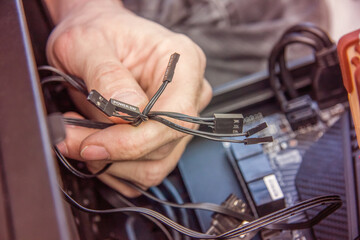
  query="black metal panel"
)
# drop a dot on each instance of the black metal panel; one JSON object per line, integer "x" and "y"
{"x": 29, "y": 193}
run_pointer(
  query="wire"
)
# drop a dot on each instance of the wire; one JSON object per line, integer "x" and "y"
{"x": 168, "y": 210}
{"x": 279, "y": 49}
{"x": 313, "y": 30}
{"x": 113, "y": 197}
{"x": 184, "y": 117}
{"x": 76, "y": 172}
{"x": 73, "y": 81}
{"x": 129, "y": 227}
{"x": 333, "y": 202}
{"x": 303, "y": 33}
{"x": 194, "y": 206}
{"x": 114, "y": 108}
{"x": 177, "y": 198}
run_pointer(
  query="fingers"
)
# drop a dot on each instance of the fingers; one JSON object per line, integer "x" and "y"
{"x": 126, "y": 142}
{"x": 145, "y": 173}
{"x": 118, "y": 186}
{"x": 109, "y": 77}
{"x": 74, "y": 136}
{"x": 96, "y": 63}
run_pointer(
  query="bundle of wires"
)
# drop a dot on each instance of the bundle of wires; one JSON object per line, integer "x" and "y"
{"x": 306, "y": 34}
{"x": 135, "y": 117}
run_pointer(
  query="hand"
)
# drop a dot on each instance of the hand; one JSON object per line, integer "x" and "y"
{"x": 124, "y": 56}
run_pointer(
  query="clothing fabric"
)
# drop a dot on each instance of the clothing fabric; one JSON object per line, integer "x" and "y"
{"x": 236, "y": 35}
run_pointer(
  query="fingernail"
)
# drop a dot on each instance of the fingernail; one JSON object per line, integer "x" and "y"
{"x": 130, "y": 97}
{"x": 93, "y": 152}
{"x": 62, "y": 148}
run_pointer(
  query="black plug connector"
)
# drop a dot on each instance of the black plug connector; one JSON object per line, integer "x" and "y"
{"x": 328, "y": 88}
{"x": 228, "y": 123}
{"x": 300, "y": 112}
{"x": 267, "y": 139}
{"x": 101, "y": 103}
{"x": 110, "y": 107}
{"x": 170, "y": 69}
{"x": 256, "y": 129}
{"x": 125, "y": 108}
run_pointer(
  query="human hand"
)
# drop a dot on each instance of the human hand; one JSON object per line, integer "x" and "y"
{"x": 124, "y": 57}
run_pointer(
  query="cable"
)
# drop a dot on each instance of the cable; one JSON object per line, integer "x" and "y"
{"x": 113, "y": 197}
{"x": 177, "y": 198}
{"x": 179, "y": 116}
{"x": 73, "y": 81}
{"x": 333, "y": 202}
{"x": 223, "y": 127}
{"x": 313, "y": 30}
{"x": 129, "y": 227}
{"x": 171, "y": 189}
{"x": 76, "y": 172}
{"x": 194, "y": 206}
{"x": 279, "y": 49}
{"x": 307, "y": 34}
{"x": 168, "y": 210}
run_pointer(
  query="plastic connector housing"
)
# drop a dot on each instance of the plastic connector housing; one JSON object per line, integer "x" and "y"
{"x": 349, "y": 58}
{"x": 301, "y": 112}
{"x": 326, "y": 79}
{"x": 125, "y": 107}
{"x": 228, "y": 123}
{"x": 100, "y": 102}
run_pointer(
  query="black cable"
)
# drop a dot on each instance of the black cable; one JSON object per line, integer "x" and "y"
{"x": 113, "y": 107}
{"x": 113, "y": 197}
{"x": 313, "y": 30}
{"x": 259, "y": 223}
{"x": 183, "y": 117}
{"x": 129, "y": 227}
{"x": 276, "y": 51}
{"x": 168, "y": 210}
{"x": 73, "y": 81}
{"x": 212, "y": 136}
{"x": 168, "y": 76}
{"x": 333, "y": 202}
{"x": 87, "y": 123}
{"x": 171, "y": 189}
{"x": 76, "y": 172}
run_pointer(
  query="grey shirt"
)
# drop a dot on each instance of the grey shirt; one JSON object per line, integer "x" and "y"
{"x": 236, "y": 35}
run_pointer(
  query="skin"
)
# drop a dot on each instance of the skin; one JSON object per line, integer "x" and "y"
{"x": 124, "y": 56}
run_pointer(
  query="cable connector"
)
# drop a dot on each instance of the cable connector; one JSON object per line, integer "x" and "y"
{"x": 228, "y": 123}
{"x": 110, "y": 107}
{"x": 100, "y": 102}
{"x": 256, "y": 129}
{"x": 170, "y": 69}
{"x": 125, "y": 107}
{"x": 267, "y": 139}
{"x": 301, "y": 112}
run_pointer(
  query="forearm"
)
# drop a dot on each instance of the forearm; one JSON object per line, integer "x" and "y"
{"x": 60, "y": 8}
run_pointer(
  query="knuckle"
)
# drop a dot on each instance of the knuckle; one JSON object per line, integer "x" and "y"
{"x": 153, "y": 175}
{"x": 206, "y": 91}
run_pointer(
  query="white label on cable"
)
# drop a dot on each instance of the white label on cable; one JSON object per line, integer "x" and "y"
{"x": 273, "y": 187}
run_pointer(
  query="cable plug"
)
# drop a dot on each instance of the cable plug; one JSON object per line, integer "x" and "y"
{"x": 101, "y": 103}
{"x": 267, "y": 139}
{"x": 111, "y": 107}
{"x": 256, "y": 129}
{"x": 125, "y": 107}
{"x": 228, "y": 123}
{"x": 326, "y": 78}
{"x": 170, "y": 69}
{"x": 301, "y": 111}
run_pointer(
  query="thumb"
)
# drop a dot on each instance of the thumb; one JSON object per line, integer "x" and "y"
{"x": 112, "y": 79}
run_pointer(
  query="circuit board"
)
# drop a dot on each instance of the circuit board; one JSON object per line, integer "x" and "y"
{"x": 284, "y": 155}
